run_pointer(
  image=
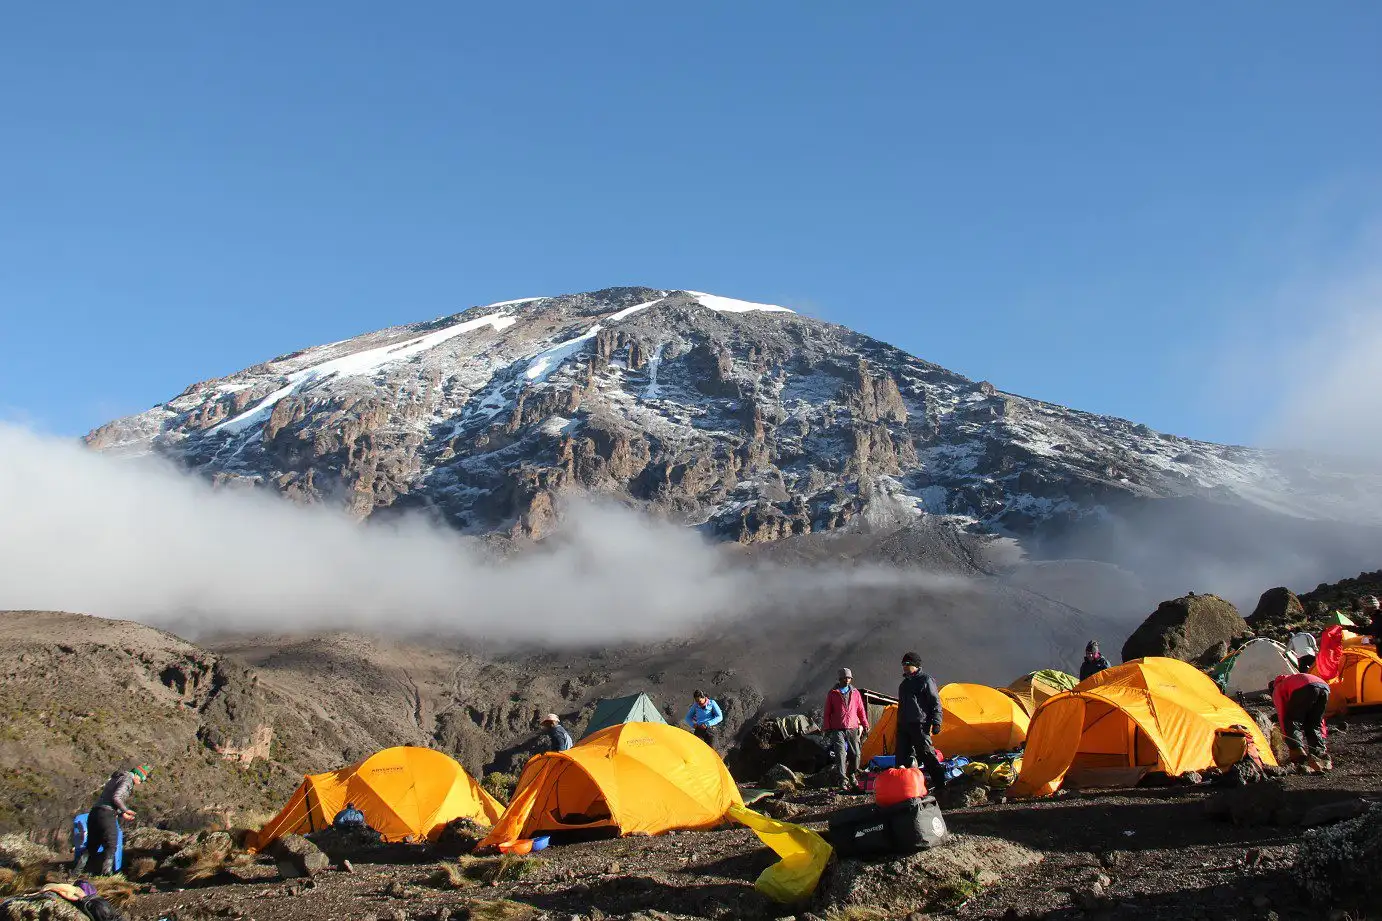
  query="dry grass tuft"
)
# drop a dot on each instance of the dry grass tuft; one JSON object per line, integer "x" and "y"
{"x": 856, "y": 914}
{"x": 116, "y": 890}
{"x": 450, "y": 876}
{"x": 493, "y": 870}
{"x": 787, "y": 787}
{"x": 26, "y": 878}
{"x": 501, "y": 910}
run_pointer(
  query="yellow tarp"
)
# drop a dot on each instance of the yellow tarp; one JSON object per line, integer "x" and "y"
{"x": 804, "y": 856}
{"x": 1155, "y": 713}
{"x": 639, "y": 778}
{"x": 976, "y": 720}
{"x": 404, "y": 793}
{"x": 1359, "y": 682}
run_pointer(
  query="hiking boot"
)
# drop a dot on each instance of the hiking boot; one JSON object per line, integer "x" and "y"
{"x": 108, "y": 865}
{"x": 79, "y": 867}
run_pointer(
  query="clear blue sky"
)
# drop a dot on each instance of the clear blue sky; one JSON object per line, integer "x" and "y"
{"x": 1077, "y": 201}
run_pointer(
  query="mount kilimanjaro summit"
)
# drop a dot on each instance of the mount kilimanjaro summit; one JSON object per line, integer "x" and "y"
{"x": 748, "y": 421}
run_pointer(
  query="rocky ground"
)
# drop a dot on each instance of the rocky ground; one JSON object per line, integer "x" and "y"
{"x": 1142, "y": 853}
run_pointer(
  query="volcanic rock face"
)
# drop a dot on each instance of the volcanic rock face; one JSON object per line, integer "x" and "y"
{"x": 747, "y": 419}
{"x": 1196, "y": 628}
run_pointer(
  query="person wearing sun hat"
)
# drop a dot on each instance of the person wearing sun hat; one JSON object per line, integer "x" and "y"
{"x": 554, "y": 738}
{"x": 103, "y": 821}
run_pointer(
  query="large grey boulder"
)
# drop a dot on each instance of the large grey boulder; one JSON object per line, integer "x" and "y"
{"x": 1194, "y": 629}
{"x": 298, "y": 858}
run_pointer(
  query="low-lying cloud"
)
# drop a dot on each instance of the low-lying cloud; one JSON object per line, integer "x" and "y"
{"x": 139, "y": 540}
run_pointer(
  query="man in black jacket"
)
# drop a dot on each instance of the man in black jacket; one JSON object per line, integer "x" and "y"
{"x": 103, "y": 821}
{"x": 918, "y": 718}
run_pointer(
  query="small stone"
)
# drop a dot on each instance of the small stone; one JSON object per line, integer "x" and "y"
{"x": 347, "y": 866}
{"x": 443, "y": 914}
{"x": 396, "y": 890}
{"x": 1102, "y": 881}
{"x": 1252, "y": 857}
{"x": 614, "y": 867}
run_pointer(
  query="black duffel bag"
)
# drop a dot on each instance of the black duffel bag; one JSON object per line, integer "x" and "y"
{"x": 873, "y": 831}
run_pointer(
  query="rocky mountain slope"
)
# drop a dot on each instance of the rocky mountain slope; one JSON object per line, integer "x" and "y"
{"x": 749, "y": 420}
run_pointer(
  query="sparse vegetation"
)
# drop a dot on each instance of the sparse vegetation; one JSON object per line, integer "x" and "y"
{"x": 501, "y": 910}
{"x": 493, "y": 870}
{"x": 450, "y": 876}
{"x": 500, "y": 785}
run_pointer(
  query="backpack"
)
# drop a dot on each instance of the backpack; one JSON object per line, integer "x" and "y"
{"x": 98, "y": 909}
{"x": 1233, "y": 745}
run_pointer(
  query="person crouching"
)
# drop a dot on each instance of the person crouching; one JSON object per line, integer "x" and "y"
{"x": 1301, "y": 701}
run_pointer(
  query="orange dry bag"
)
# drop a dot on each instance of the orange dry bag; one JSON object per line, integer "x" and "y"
{"x": 897, "y": 785}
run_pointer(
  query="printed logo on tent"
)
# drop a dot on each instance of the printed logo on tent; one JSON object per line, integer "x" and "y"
{"x": 392, "y": 769}
{"x": 641, "y": 740}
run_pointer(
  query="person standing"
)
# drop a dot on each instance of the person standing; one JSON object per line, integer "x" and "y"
{"x": 555, "y": 738}
{"x": 1301, "y": 701}
{"x": 1372, "y": 613}
{"x": 103, "y": 822}
{"x": 918, "y": 718}
{"x": 703, "y": 716}
{"x": 846, "y": 720}
{"x": 1094, "y": 661}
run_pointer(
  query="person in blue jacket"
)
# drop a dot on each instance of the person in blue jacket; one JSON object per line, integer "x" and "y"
{"x": 703, "y": 717}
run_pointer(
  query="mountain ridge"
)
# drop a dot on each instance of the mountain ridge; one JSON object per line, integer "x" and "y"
{"x": 747, "y": 420}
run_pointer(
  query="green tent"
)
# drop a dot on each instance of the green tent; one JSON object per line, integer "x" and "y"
{"x": 636, "y": 708}
{"x": 1340, "y": 618}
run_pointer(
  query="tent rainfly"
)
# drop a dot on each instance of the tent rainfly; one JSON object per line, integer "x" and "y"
{"x": 632, "y": 778}
{"x": 404, "y": 793}
{"x": 976, "y": 720}
{"x": 1152, "y": 714}
{"x": 635, "y": 708}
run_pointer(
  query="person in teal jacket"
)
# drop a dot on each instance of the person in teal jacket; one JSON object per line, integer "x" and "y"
{"x": 703, "y": 718}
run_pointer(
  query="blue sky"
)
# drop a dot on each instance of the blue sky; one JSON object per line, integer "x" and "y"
{"x": 1087, "y": 203}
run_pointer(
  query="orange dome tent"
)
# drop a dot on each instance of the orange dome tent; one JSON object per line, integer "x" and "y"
{"x": 404, "y": 793}
{"x": 976, "y": 720}
{"x": 635, "y": 778}
{"x": 1152, "y": 714}
{"x": 1359, "y": 680}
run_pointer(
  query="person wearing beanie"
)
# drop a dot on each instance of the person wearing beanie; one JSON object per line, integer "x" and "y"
{"x": 1372, "y": 609}
{"x": 845, "y": 721}
{"x": 103, "y": 821}
{"x": 1094, "y": 662}
{"x": 919, "y": 718}
{"x": 554, "y": 736}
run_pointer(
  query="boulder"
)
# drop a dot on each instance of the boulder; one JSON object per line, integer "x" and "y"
{"x": 1277, "y": 611}
{"x": 1340, "y": 865}
{"x": 297, "y": 857}
{"x": 1330, "y": 813}
{"x": 1190, "y": 629}
{"x": 940, "y": 878}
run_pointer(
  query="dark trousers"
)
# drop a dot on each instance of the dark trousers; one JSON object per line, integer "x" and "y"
{"x": 707, "y": 734}
{"x": 102, "y": 836}
{"x": 844, "y": 746}
{"x": 1305, "y": 719}
{"x": 913, "y": 746}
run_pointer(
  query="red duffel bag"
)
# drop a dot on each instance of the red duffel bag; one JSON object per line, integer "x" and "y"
{"x": 897, "y": 785}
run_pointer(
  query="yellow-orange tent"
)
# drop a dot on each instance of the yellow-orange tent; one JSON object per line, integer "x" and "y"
{"x": 1359, "y": 682}
{"x": 1153, "y": 714}
{"x": 1035, "y": 688}
{"x": 975, "y": 720}
{"x": 636, "y": 778}
{"x": 404, "y": 793}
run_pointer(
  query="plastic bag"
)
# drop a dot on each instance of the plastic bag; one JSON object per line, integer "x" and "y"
{"x": 804, "y": 856}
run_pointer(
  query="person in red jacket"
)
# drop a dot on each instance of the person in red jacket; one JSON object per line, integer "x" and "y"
{"x": 846, "y": 720}
{"x": 1300, "y": 704}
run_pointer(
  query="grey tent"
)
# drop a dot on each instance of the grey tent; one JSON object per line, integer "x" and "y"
{"x": 636, "y": 708}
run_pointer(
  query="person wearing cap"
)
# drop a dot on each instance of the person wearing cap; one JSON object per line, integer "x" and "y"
{"x": 846, "y": 720}
{"x": 1094, "y": 661}
{"x": 555, "y": 737}
{"x": 1301, "y": 701}
{"x": 103, "y": 821}
{"x": 918, "y": 718}
{"x": 704, "y": 716}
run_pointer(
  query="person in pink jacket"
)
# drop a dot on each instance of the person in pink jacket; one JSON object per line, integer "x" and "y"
{"x": 845, "y": 722}
{"x": 1301, "y": 701}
